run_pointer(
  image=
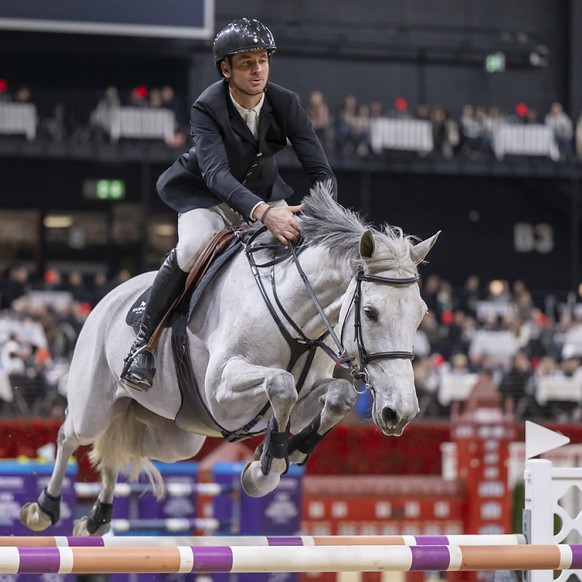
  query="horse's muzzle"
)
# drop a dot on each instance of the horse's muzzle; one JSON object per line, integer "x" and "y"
{"x": 392, "y": 423}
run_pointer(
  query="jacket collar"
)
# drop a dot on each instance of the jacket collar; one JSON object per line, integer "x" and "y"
{"x": 238, "y": 123}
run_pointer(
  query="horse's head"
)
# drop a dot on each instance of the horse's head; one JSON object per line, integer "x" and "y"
{"x": 384, "y": 308}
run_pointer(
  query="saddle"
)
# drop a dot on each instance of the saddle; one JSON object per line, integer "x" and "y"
{"x": 210, "y": 261}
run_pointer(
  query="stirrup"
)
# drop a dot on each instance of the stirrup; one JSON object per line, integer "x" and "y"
{"x": 127, "y": 380}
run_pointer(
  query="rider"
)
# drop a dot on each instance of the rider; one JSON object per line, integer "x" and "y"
{"x": 229, "y": 175}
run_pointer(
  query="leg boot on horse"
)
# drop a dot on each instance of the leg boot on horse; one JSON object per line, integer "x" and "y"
{"x": 139, "y": 370}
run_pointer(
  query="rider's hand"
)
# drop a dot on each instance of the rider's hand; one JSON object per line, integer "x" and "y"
{"x": 280, "y": 221}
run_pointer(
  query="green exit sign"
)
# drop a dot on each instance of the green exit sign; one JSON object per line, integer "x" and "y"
{"x": 104, "y": 189}
{"x": 110, "y": 189}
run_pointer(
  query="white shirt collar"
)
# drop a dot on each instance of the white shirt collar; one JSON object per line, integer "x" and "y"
{"x": 243, "y": 110}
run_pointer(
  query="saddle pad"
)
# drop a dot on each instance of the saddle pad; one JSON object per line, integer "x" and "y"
{"x": 135, "y": 313}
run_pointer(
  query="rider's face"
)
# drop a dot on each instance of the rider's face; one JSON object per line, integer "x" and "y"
{"x": 249, "y": 72}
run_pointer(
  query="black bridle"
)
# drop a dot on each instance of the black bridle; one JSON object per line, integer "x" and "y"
{"x": 361, "y": 372}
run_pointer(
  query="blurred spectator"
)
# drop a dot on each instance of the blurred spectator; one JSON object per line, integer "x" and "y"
{"x": 22, "y": 95}
{"x": 445, "y": 133}
{"x": 155, "y": 98}
{"x": 517, "y": 384}
{"x": 561, "y": 124}
{"x": 430, "y": 290}
{"x": 493, "y": 120}
{"x": 168, "y": 100}
{"x": 498, "y": 290}
{"x": 5, "y": 96}
{"x": 53, "y": 280}
{"x": 345, "y": 122}
{"x": 318, "y": 113}
{"x": 12, "y": 356}
{"x": 78, "y": 289}
{"x": 138, "y": 97}
{"x": 376, "y": 111}
{"x": 471, "y": 132}
{"x": 456, "y": 334}
{"x": 13, "y": 284}
{"x": 431, "y": 329}
{"x": 400, "y": 110}
{"x": 470, "y": 295}
{"x": 532, "y": 117}
{"x": 99, "y": 288}
{"x": 100, "y": 120}
{"x": 537, "y": 337}
{"x": 522, "y": 299}
{"x": 361, "y": 130}
{"x": 171, "y": 102}
{"x": 423, "y": 112}
{"x": 485, "y": 140}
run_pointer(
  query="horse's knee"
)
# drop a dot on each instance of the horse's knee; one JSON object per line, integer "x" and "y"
{"x": 281, "y": 390}
{"x": 340, "y": 398}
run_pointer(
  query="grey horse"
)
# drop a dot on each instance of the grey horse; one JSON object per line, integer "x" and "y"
{"x": 265, "y": 342}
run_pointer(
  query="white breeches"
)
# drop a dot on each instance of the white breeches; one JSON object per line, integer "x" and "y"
{"x": 196, "y": 228}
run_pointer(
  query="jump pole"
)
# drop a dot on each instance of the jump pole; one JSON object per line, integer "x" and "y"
{"x": 239, "y": 559}
{"x": 329, "y": 540}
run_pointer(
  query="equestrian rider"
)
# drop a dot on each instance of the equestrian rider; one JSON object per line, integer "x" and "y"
{"x": 230, "y": 174}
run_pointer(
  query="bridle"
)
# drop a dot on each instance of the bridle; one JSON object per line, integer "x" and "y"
{"x": 361, "y": 372}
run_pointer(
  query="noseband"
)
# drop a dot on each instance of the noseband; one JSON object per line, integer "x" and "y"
{"x": 361, "y": 372}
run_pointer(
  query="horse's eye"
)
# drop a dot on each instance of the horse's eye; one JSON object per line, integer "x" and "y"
{"x": 371, "y": 313}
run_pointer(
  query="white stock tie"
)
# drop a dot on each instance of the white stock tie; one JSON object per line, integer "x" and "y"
{"x": 251, "y": 120}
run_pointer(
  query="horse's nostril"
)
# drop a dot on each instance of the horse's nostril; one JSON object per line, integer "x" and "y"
{"x": 389, "y": 417}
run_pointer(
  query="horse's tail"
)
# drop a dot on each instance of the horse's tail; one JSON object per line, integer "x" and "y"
{"x": 120, "y": 449}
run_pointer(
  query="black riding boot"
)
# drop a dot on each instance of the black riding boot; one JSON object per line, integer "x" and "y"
{"x": 139, "y": 369}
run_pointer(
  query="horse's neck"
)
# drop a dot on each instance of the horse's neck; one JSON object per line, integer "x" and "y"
{"x": 329, "y": 283}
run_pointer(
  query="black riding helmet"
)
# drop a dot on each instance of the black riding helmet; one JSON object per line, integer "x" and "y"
{"x": 242, "y": 34}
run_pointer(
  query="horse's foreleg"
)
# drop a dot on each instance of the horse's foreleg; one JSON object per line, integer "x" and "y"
{"x": 339, "y": 398}
{"x": 98, "y": 522}
{"x": 47, "y": 509}
{"x": 262, "y": 476}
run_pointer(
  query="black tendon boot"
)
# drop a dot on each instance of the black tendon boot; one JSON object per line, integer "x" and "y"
{"x": 139, "y": 370}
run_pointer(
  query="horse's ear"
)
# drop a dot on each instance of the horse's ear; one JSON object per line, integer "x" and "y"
{"x": 418, "y": 252}
{"x": 367, "y": 244}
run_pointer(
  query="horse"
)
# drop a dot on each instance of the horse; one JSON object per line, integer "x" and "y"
{"x": 281, "y": 341}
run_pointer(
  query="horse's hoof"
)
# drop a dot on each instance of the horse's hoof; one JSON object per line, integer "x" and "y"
{"x": 33, "y": 517}
{"x": 80, "y": 528}
{"x": 254, "y": 483}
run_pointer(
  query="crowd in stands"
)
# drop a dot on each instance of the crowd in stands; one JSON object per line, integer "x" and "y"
{"x": 347, "y": 130}
{"x": 343, "y": 128}
{"x": 493, "y": 328}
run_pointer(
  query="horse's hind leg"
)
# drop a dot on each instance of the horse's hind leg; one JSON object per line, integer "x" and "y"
{"x": 98, "y": 522}
{"x": 46, "y": 510}
{"x": 338, "y": 399}
{"x": 262, "y": 476}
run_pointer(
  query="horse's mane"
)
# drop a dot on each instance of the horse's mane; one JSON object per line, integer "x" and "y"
{"x": 325, "y": 222}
